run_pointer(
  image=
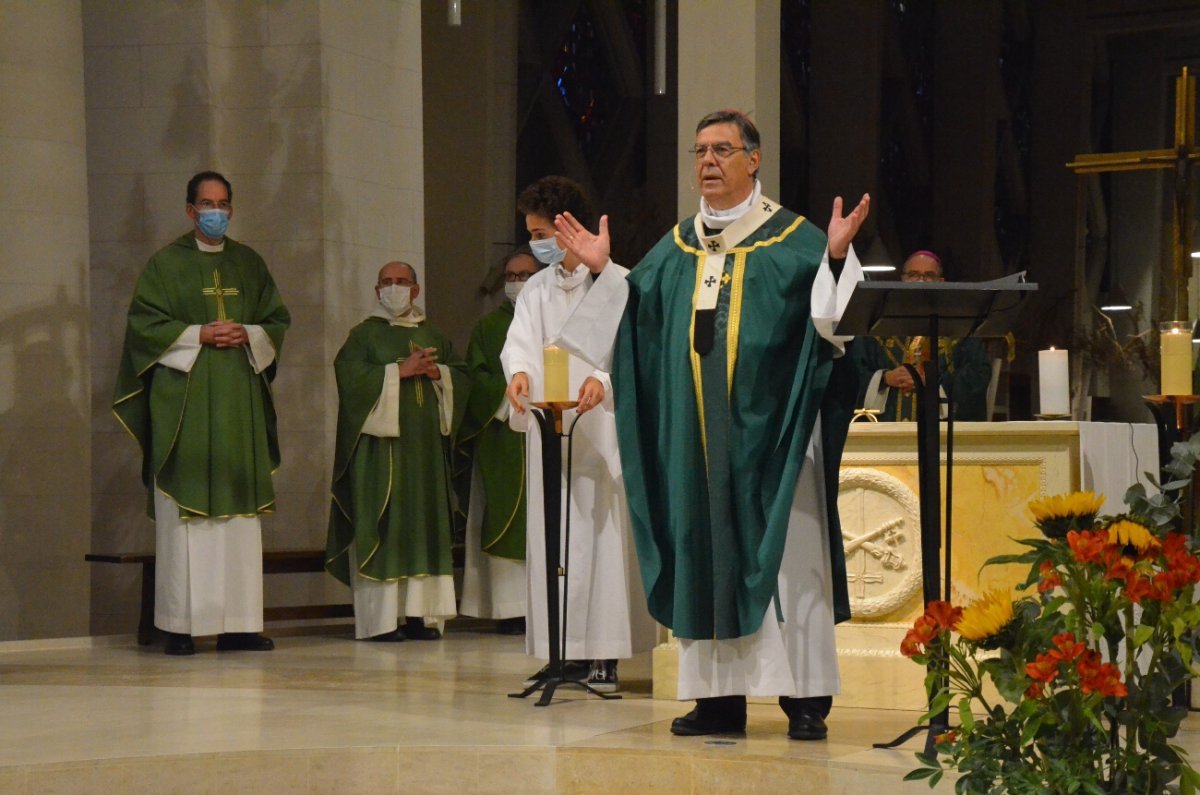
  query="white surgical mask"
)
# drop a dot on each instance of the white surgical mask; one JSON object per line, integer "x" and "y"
{"x": 396, "y": 299}
{"x": 512, "y": 290}
{"x": 547, "y": 251}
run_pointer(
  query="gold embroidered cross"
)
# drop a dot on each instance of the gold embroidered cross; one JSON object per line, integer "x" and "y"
{"x": 726, "y": 278}
{"x": 220, "y": 293}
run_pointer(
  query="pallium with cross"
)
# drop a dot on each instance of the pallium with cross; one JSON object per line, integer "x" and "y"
{"x": 220, "y": 293}
{"x": 1180, "y": 158}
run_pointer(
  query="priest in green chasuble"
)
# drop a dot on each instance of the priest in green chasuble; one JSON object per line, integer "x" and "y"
{"x": 886, "y": 385}
{"x": 494, "y": 575}
{"x": 733, "y": 399}
{"x": 204, "y": 331}
{"x": 389, "y": 537}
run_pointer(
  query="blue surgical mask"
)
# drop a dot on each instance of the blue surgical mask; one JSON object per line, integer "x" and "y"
{"x": 547, "y": 251}
{"x": 213, "y": 223}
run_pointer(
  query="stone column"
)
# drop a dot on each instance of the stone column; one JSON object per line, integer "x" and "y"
{"x": 45, "y": 371}
{"x": 728, "y": 59}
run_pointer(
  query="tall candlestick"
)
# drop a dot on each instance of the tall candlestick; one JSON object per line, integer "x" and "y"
{"x": 557, "y": 366}
{"x": 1053, "y": 382}
{"x": 1175, "y": 350}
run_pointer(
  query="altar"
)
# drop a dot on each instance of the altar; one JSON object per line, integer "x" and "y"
{"x": 998, "y": 469}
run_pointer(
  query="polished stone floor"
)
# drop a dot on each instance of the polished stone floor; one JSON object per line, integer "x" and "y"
{"x": 324, "y": 713}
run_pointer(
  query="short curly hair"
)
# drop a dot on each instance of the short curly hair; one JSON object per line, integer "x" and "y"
{"x": 550, "y": 196}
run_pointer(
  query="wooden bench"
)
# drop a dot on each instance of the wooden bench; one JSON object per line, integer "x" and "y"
{"x": 288, "y": 561}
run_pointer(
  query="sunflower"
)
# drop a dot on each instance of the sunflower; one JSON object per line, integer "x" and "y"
{"x": 1057, "y": 515}
{"x": 1126, "y": 533}
{"x": 986, "y": 617}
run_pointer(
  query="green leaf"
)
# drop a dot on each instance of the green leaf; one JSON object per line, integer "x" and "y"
{"x": 965, "y": 718}
{"x": 1142, "y": 634}
{"x": 920, "y": 773}
{"x": 1031, "y": 729}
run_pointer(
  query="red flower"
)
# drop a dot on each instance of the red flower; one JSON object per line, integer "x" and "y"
{"x": 1066, "y": 647}
{"x": 939, "y": 617}
{"x": 1099, "y": 677}
{"x": 1043, "y": 670}
{"x": 1087, "y": 546}
{"x": 1049, "y": 577}
{"x": 944, "y": 614}
{"x": 1116, "y": 565}
{"x": 1034, "y": 690}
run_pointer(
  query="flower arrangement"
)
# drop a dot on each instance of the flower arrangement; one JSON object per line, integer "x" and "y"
{"x": 1082, "y": 668}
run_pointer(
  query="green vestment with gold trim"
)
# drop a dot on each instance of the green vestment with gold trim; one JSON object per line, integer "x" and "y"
{"x": 391, "y": 495}
{"x": 208, "y": 436}
{"x": 712, "y": 446}
{"x": 498, "y": 450}
{"x": 962, "y": 366}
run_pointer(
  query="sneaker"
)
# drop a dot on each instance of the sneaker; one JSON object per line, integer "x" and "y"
{"x": 603, "y": 676}
{"x": 572, "y": 669}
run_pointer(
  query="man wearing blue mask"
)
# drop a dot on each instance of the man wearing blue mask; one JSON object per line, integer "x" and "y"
{"x": 607, "y": 617}
{"x": 204, "y": 333}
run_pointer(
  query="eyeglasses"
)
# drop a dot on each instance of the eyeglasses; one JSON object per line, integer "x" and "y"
{"x": 722, "y": 151}
{"x": 517, "y": 277}
{"x": 914, "y": 276}
{"x": 208, "y": 204}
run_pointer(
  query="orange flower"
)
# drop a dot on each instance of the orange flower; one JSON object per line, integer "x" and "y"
{"x": 1044, "y": 669}
{"x": 1116, "y": 565}
{"x": 944, "y": 614}
{"x": 1035, "y": 690}
{"x": 947, "y": 737}
{"x": 1100, "y": 677}
{"x": 1066, "y": 648}
{"x": 939, "y": 617}
{"x": 1049, "y": 577}
{"x": 1087, "y": 546}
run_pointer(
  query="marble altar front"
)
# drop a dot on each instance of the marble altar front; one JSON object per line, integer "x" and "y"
{"x": 998, "y": 469}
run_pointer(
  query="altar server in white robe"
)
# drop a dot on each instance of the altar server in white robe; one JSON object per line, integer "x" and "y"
{"x": 733, "y": 405}
{"x": 607, "y": 617}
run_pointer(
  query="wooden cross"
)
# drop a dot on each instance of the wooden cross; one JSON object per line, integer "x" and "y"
{"x": 220, "y": 292}
{"x": 1180, "y": 158}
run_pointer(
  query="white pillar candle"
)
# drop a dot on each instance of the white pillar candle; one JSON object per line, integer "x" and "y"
{"x": 1054, "y": 382}
{"x": 1175, "y": 353}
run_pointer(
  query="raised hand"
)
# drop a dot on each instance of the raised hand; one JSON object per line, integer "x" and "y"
{"x": 843, "y": 229}
{"x": 592, "y": 250}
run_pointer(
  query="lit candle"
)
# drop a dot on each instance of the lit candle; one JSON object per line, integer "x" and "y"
{"x": 1175, "y": 349}
{"x": 1053, "y": 383}
{"x": 557, "y": 367}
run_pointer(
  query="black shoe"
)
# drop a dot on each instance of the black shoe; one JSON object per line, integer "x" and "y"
{"x": 179, "y": 645}
{"x": 806, "y": 716}
{"x": 244, "y": 641}
{"x": 721, "y": 715}
{"x": 395, "y": 636}
{"x": 511, "y": 626}
{"x": 574, "y": 670}
{"x": 415, "y": 629}
{"x": 603, "y": 676}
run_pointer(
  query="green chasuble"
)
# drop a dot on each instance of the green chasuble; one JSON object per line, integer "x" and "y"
{"x": 208, "y": 436}
{"x": 712, "y": 445}
{"x": 963, "y": 363}
{"x": 391, "y": 495}
{"x": 497, "y": 449}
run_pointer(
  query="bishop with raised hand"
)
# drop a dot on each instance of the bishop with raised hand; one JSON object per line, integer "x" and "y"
{"x": 733, "y": 401}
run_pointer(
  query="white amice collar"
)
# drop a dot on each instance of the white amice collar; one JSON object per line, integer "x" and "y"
{"x": 208, "y": 248}
{"x": 719, "y": 219}
{"x": 569, "y": 280}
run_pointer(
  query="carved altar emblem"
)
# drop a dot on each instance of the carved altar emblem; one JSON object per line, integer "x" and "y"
{"x": 881, "y": 534}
